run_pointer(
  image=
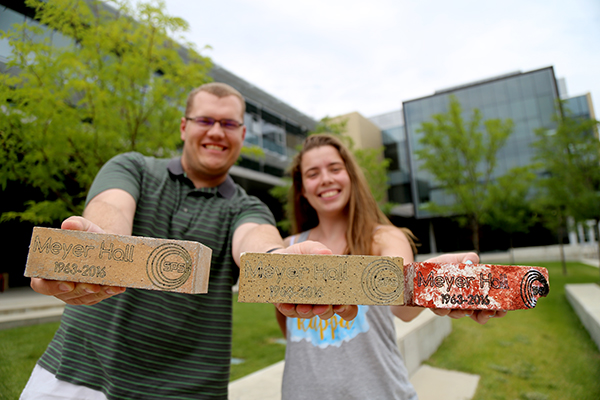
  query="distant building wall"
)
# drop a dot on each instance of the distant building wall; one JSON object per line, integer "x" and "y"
{"x": 528, "y": 99}
{"x": 364, "y": 133}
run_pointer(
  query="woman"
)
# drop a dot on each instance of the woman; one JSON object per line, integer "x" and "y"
{"x": 332, "y": 358}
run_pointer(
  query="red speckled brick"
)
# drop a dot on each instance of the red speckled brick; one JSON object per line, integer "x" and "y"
{"x": 474, "y": 286}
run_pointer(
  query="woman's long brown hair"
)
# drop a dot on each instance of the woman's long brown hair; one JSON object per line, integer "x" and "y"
{"x": 364, "y": 214}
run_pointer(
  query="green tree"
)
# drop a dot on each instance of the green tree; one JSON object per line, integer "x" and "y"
{"x": 512, "y": 209}
{"x": 550, "y": 205}
{"x": 117, "y": 82}
{"x": 462, "y": 159}
{"x": 571, "y": 156}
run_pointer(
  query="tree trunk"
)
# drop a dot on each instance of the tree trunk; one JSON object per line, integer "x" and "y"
{"x": 475, "y": 230}
{"x": 597, "y": 233}
{"x": 562, "y": 250}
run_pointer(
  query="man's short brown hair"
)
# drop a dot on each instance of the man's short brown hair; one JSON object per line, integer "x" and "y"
{"x": 218, "y": 89}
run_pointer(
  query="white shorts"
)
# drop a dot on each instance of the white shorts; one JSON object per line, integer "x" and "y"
{"x": 43, "y": 385}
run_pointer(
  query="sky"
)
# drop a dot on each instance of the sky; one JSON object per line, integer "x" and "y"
{"x": 332, "y": 57}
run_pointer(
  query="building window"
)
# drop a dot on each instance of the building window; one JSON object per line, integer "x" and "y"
{"x": 273, "y": 133}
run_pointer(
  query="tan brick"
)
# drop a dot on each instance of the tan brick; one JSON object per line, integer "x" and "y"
{"x": 321, "y": 279}
{"x": 115, "y": 260}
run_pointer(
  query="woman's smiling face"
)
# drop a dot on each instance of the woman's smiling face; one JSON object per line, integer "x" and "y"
{"x": 325, "y": 180}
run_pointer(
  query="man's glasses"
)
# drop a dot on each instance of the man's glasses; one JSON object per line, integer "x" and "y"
{"x": 207, "y": 122}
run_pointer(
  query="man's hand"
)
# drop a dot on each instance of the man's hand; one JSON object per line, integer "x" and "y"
{"x": 347, "y": 312}
{"x": 479, "y": 316}
{"x": 72, "y": 292}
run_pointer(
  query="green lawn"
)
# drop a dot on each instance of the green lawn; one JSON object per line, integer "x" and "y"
{"x": 255, "y": 341}
{"x": 256, "y": 338}
{"x": 539, "y": 354}
{"x": 20, "y": 348}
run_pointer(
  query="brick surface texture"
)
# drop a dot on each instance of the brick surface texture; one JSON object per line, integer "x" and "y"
{"x": 371, "y": 280}
{"x": 474, "y": 286}
{"x": 321, "y": 279}
{"x": 115, "y": 260}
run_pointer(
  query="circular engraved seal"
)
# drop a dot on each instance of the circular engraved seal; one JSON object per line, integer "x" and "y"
{"x": 383, "y": 281}
{"x": 169, "y": 266}
{"x": 533, "y": 286}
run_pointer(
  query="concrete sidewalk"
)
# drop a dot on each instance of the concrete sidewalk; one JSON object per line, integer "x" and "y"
{"x": 585, "y": 300}
{"x": 430, "y": 384}
{"x": 22, "y": 306}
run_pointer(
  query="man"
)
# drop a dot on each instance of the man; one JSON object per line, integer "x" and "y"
{"x": 121, "y": 344}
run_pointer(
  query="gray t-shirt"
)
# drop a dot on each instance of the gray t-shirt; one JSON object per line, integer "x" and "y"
{"x": 336, "y": 359}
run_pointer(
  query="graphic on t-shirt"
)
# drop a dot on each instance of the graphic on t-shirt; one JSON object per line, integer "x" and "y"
{"x": 331, "y": 332}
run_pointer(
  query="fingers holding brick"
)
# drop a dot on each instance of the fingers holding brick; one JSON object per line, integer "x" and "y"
{"x": 306, "y": 247}
{"x": 454, "y": 314}
{"x": 469, "y": 257}
{"x": 483, "y": 316}
{"x": 323, "y": 311}
{"x": 346, "y": 312}
{"x": 479, "y": 316}
{"x": 307, "y": 311}
{"x": 300, "y": 310}
{"x": 76, "y": 223}
{"x": 74, "y": 293}
{"x": 89, "y": 294}
{"x": 50, "y": 287}
{"x": 288, "y": 310}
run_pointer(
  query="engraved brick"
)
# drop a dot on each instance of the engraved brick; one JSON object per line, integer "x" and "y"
{"x": 321, "y": 279}
{"x": 474, "y": 286}
{"x": 115, "y": 260}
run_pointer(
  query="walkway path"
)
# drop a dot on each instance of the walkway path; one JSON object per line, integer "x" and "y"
{"x": 430, "y": 384}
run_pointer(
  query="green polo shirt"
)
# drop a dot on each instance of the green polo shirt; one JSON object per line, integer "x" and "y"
{"x": 157, "y": 345}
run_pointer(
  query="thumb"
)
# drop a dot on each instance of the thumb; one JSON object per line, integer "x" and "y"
{"x": 76, "y": 223}
{"x": 312, "y": 247}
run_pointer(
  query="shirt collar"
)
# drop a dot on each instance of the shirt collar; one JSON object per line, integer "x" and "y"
{"x": 225, "y": 189}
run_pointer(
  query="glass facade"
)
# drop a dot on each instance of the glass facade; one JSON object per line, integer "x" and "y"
{"x": 278, "y": 136}
{"x": 10, "y": 17}
{"x": 579, "y": 106}
{"x": 528, "y": 99}
{"x": 396, "y": 150}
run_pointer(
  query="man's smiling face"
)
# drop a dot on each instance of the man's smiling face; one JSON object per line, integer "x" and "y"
{"x": 209, "y": 152}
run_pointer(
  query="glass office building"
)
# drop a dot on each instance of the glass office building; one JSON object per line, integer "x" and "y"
{"x": 529, "y": 99}
{"x": 580, "y": 106}
{"x": 396, "y": 150}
